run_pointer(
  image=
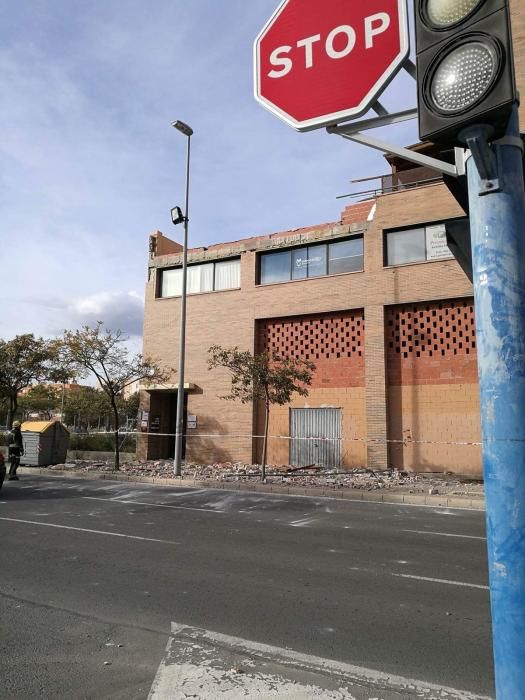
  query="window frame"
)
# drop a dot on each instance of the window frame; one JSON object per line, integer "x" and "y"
{"x": 421, "y": 225}
{"x": 162, "y": 270}
{"x": 306, "y": 247}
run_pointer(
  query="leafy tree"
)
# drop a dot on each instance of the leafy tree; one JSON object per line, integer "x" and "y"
{"x": 4, "y": 408}
{"x": 266, "y": 377}
{"x": 23, "y": 361}
{"x": 103, "y": 353}
{"x": 130, "y": 406}
{"x": 41, "y": 398}
{"x": 87, "y": 404}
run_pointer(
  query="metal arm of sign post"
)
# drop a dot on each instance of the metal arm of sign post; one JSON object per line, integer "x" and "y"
{"x": 385, "y": 119}
{"x": 410, "y": 68}
{"x": 413, "y": 157}
{"x": 380, "y": 110}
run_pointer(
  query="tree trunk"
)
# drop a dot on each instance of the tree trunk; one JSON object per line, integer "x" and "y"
{"x": 13, "y": 405}
{"x": 116, "y": 433}
{"x": 265, "y": 440}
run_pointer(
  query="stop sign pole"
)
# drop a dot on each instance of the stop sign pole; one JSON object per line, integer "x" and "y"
{"x": 309, "y": 58}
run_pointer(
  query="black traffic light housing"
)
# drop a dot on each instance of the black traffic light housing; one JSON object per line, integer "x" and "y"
{"x": 488, "y": 24}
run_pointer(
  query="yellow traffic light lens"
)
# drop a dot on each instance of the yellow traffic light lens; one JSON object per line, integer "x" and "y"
{"x": 445, "y": 13}
{"x": 464, "y": 76}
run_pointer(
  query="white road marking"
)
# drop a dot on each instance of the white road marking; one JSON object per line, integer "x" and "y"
{"x": 303, "y": 522}
{"x": 442, "y": 580}
{"x": 201, "y": 663}
{"x": 445, "y": 534}
{"x": 95, "y": 532}
{"x": 419, "y": 578}
{"x": 145, "y": 503}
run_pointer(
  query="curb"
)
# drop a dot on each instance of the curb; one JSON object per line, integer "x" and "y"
{"x": 341, "y": 495}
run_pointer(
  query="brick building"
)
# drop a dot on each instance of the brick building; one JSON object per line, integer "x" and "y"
{"x": 375, "y": 300}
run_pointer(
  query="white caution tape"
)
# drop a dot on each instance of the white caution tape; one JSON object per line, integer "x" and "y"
{"x": 249, "y": 436}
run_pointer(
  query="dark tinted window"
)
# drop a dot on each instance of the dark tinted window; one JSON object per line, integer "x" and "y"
{"x": 416, "y": 245}
{"x": 275, "y": 267}
{"x": 299, "y": 263}
{"x": 345, "y": 256}
{"x": 316, "y": 260}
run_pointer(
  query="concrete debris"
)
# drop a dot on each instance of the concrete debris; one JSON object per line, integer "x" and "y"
{"x": 393, "y": 480}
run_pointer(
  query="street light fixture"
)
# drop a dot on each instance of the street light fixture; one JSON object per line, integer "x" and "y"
{"x": 177, "y": 217}
{"x": 183, "y": 128}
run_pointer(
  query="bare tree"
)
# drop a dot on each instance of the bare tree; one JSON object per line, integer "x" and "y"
{"x": 266, "y": 377}
{"x": 103, "y": 353}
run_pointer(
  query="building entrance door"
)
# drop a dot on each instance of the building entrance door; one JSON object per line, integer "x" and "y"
{"x": 316, "y": 437}
{"x": 162, "y": 420}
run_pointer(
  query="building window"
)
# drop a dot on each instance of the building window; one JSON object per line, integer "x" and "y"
{"x": 227, "y": 274}
{"x": 275, "y": 267}
{"x": 315, "y": 260}
{"x": 416, "y": 245}
{"x": 345, "y": 256}
{"x": 206, "y": 277}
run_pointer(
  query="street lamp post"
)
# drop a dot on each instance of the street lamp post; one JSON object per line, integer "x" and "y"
{"x": 187, "y": 131}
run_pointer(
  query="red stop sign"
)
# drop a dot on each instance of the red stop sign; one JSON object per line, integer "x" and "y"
{"x": 321, "y": 61}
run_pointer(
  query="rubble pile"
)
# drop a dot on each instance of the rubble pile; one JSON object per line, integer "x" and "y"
{"x": 307, "y": 477}
{"x": 85, "y": 465}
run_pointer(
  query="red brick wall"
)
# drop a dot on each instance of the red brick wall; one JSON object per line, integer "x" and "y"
{"x": 431, "y": 343}
{"x": 333, "y": 342}
{"x": 432, "y": 391}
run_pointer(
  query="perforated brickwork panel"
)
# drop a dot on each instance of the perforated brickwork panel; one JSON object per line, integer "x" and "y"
{"x": 333, "y": 342}
{"x": 316, "y": 337}
{"x": 433, "y": 341}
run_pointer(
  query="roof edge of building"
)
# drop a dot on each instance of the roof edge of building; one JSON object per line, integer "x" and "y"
{"x": 354, "y": 219}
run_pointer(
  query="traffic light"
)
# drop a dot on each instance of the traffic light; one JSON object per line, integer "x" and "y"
{"x": 465, "y": 67}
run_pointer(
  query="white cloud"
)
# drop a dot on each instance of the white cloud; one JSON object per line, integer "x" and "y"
{"x": 122, "y": 311}
{"x": 117, "y": 310}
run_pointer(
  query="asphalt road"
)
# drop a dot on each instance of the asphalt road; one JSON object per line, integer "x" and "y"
{"x": 92, "y": 574}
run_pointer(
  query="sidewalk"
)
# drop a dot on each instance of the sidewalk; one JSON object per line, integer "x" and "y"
{"x": 470, "y": 497}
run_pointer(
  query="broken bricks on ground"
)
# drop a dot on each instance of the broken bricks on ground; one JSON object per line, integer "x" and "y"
{"x": 310, "y": 477}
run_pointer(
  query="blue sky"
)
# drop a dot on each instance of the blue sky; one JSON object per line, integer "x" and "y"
{"x": 90, "y": 165}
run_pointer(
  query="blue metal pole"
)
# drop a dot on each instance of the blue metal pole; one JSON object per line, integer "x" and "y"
{"x": 497, "y": 223}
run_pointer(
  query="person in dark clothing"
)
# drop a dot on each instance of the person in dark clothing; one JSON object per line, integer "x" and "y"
{"x": 2, "y": 470}
{"x": 16, "y": 449}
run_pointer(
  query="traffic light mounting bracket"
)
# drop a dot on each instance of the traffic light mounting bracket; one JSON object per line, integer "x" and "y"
{"x": 476, "y": 138}
{"x": 352, "y": 131}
